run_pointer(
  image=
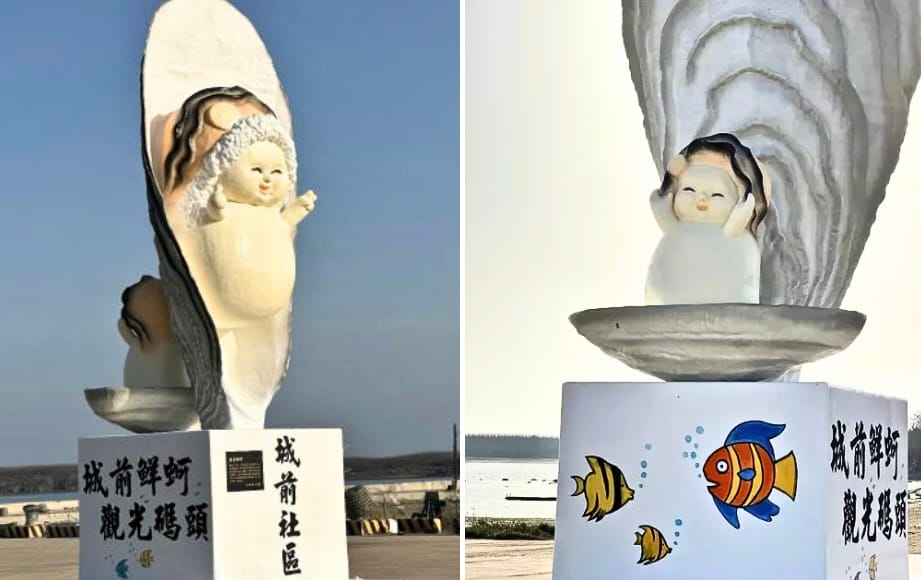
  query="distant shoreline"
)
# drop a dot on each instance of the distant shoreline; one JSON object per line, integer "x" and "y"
{"x": 512, "y": 447}
{"x": 501, "y": 459}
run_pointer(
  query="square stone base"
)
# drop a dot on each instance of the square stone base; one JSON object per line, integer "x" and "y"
{"x": 637, "y": 462}
{"x": 222, "y": 505}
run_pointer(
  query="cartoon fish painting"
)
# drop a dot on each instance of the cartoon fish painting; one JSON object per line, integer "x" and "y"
{"x": 121, "y": 569}
{"x": 744, "y": 472}
{"x": 146, "y": 558}
{"x": 653, "y": 546}
{"x": 605, "y": 489}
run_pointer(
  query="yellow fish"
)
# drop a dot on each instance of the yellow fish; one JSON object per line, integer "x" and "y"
{"x": 146, "y": 558}
{"x": 605, "y": 489}
{"x": 872, "y": 568}
{"x": 653, "y": 546}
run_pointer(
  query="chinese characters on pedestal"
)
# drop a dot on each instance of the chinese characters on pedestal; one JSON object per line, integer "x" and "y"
{"x": 287, "y": 496}
{"x": 122, "y": 519}
{"x": 868, "y": 516}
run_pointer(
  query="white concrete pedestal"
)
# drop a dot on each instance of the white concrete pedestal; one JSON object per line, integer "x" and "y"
{"x": 221, "y": 505}
{"x": 660, "y": 436}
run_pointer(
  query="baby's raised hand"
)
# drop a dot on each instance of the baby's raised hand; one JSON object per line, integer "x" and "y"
{"x": 302, "y": 206}
{"x": 662, "y": 209}
{"x": 308, "y": 201}
{"x": 740, "y": 217}
{"x": 216, "y": 204}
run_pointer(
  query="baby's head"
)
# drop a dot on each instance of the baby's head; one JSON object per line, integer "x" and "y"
{"x": 259, "y": 177}
{"x": 254, "y": 162}
{"x": 711, "y": 175}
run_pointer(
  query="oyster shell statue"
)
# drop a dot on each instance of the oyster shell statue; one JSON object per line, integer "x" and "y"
{"x": 220, "y": 166}
{"x": 818, "y": 90}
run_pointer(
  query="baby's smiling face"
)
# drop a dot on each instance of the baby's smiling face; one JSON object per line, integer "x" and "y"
{"x": 706, "y": 194}
{"x": 259, "y": 177}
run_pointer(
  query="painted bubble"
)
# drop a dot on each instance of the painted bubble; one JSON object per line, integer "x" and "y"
{"x": 693, "y": 454}
{"x": 643, "y": 463}
{"x": 677, "y": 534}
{"x": 641, "y": 486}
{"x": 696, "y": 446}
{"x": 685, "y": 454}
{"x": 697, "y": 465}
{"x": 643, "y": 475}
{"x": 678, "y": 522}
{"x": 687, "y": 438}
{"x": 700, "y": 430}
{"x": 648, "y": 446}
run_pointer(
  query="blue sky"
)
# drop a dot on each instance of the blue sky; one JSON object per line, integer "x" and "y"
{"x": 373, "y": 88}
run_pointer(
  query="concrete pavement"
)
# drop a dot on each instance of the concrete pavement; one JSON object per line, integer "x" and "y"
{"x": 531, "y": 560}
{"x": 412, "y": 557}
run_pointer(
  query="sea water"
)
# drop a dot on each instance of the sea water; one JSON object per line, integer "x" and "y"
{"x": 489, "y": 481}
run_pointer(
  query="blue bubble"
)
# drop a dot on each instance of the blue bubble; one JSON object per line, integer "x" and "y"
{"x": 696, "y": 446}
{"x": 694, "y": 454}
{"x": 699, "y": 476}
{"x": 641, "y": 485}
{"x": 678, "y": 522}
{"x": 700, "y": 430}
{"x": 643, "y": 463}
{"x": 687, "y": 438}
{"x": 676, "y": 542}
{"x": 685, "y": 454}
{"x": 697, "y": 465}
{"x": 648, "y": 446}
{"x": 677, "y": 534}
{"x": 643, "y": 475}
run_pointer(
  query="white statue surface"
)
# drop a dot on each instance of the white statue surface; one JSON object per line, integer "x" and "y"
{"x": 709, "y": 206}
{"x": 221, "y": 170}
{"x": 748, "y": 278}
{"x": 153, "y": 358}
{"x": 818, "y": 90}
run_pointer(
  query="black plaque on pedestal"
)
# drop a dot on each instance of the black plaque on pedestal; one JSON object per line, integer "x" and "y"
{"x": 244, "y": 471}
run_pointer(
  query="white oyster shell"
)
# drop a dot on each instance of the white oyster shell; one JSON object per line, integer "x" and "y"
{"x": 818, "y": 89}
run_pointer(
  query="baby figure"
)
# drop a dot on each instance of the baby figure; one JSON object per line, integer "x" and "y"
{"x": 712, "y": 200}
{"x": 239, "y": 203}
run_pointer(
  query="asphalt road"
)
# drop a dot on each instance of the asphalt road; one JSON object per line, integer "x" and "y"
{"x": 371, "y": 558}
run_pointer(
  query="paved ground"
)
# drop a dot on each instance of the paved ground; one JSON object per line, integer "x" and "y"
{"x": 508, "y": 559}
{"x": 534, "y": 560}
{"x": 380, "y": 558}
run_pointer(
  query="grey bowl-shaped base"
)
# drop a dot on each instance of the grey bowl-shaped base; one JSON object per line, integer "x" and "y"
{"x": 145, "y": 409}
{"x": 718, "y": 342}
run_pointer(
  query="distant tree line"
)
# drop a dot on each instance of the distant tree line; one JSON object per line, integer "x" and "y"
{"x": 37, "y": 479}
{"x": 512, "y": 447}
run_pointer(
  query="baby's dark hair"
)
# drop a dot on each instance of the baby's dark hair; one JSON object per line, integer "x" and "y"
{"x": 189, "y": 123}
{"x": 744, "y": 166}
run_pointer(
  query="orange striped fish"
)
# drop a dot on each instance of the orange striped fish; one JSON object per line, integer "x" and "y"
{"x": 744, "y": 472}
